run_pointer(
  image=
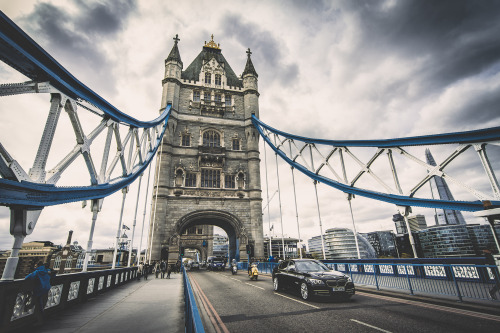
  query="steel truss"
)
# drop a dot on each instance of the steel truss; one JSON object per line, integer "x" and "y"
{"x": 27, "y": 192}
{"x": 301, "y": 152}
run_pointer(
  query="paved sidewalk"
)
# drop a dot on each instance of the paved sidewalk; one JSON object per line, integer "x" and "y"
{"x": 154, "y": 305}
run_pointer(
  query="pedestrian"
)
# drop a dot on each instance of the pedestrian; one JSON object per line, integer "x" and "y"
{"x": 490, "y": 260}
{"x": 169, "y": 270}
{"x": 41, "y": 277}
{"x": 163, "y": 268}
{"x": 157, "y": 269}
{"x": 145, "y": 271}
{"x": 178, "y": 266}
{"x": 140, "y": 271}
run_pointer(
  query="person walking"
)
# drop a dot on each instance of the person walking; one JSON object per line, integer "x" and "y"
{"x": 145, "y": 271}
{"x": 157, "y": 269}
{"x": 169, "y": 270}
{"x": 140, "y": 270}
{"x": 163, "y": 268}
{"x": 41, "y": 276}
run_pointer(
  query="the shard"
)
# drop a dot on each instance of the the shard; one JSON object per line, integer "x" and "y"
{"x": 440, "y": 189}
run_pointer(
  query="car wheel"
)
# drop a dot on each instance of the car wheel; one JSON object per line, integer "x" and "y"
{"x": 304, "y": 291}
{"x": 276, "y": 284}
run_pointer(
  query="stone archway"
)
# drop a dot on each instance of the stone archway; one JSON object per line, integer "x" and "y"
{"x": 233, "y": 227}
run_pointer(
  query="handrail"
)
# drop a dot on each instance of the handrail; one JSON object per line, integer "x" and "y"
{"x": 193, "y": 318}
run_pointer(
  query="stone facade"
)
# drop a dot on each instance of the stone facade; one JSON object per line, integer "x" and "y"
{"x": 208, "y": 170}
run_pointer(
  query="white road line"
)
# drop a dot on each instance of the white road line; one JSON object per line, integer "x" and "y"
{"x": 374, "y": 327}
{"x": 254, "y": 286}
{"x": 312, "y": 306}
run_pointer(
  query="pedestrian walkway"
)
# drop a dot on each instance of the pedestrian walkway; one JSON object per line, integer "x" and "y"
{"x": 153, "y": 305}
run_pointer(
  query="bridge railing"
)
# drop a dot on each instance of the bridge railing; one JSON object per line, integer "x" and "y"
{"x": 193, "y": 319}
{"x": 457, "y": 280}
{"x": 17, "y": 308}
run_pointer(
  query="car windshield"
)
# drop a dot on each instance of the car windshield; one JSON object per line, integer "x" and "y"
{"x": 310, "y": 266}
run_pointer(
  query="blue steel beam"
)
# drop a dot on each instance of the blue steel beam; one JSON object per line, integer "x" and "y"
{"x": 400, "y": 200}
{"x": 21, "y": 52}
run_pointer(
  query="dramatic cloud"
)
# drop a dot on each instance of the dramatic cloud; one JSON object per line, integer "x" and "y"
{"x": 341, "y": 69}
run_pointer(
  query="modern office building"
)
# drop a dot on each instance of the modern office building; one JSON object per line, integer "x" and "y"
{"x": 221, "y": 245}
{"x": 399, "y": 222}
{"x": 315, "y": 247}
{"x": 340, "y": 244}
{"x": 417, "y": 222}
{"x": 440, "y": 190}
{"x": 446, "y": 241}
{"x": 482, "y": 239}
{"x": 383, "y": 242}
{"x": 277, "y": 247}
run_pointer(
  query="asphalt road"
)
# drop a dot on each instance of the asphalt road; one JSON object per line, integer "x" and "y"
{"x": 236, "y": 304}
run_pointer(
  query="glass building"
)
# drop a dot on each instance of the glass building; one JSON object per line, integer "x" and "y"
{"x": 446, "y": 241}
{"x": 383, "y": 242}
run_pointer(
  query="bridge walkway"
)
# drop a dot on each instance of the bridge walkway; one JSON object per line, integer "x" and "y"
{"x": 153, "y": 305}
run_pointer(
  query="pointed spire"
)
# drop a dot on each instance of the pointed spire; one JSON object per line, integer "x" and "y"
{"x": 174, "y": 53}
{"x": 249, "y": 69}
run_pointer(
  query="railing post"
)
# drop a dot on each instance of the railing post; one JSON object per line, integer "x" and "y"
{"x": 375, "y": 275}
{"x": 459, "y": 295}
{"x": 409, "y": 282}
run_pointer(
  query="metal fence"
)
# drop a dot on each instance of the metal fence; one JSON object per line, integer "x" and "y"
{"x": 456, "y": 280}
{"x": 193, "y": 321}
{"x": 16, "y": 297}
{"x": 462, "y": 281}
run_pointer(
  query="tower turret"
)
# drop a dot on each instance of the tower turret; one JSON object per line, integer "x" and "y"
{"x": 171, "y": 82}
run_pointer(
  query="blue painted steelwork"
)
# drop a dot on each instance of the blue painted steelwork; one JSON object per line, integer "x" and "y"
{"x": 193, "y": 318}
{"x": 19, "y": 51}
{"x": 459, "y": 280}
{"x": 400, "y": 200}
{"x": 40, "y": 195}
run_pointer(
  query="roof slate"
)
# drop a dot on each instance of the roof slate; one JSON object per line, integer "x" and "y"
{"x": 192, "y": 72}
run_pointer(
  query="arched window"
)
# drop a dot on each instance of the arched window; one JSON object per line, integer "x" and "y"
{"x": 57, "y": 262}
{"x": 208, "y": 78}
{"x": 69, "y": 261}
{"x": 218, "y": 79}
{"x": 211, "y": 139}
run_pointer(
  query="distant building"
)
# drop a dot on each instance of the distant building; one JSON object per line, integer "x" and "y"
{"x": 220, "y": 246}
{"x": 482, "y": 239}
{"x": 446, "y": 241}
{"x": 399, "y": 222}
{"x": 291, "y": 250}
{"x": 69, "y": 258}
{"x": 440, "y": 189}
{"x": 383, "y": 242}
{"x": 315, "y": 247}
{"x": 340, "y": 244}
{"x": 29, "y": 255}
{"x": 417, "y": 222}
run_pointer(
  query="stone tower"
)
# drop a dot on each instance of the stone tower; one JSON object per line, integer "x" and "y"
{"x": 209, "y": 164}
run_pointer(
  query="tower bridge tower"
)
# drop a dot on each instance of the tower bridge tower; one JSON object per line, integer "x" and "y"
{"x": 208, "y": 164}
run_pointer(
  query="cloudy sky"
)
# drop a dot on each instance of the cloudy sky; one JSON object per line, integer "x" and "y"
{"x": 327, "y": 69}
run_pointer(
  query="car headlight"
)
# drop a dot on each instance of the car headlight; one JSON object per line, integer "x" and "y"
{"x": 315, "y": 281}
{"x": 348, "y": 278}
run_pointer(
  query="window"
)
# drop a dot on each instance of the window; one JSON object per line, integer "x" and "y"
{"x": 207, "y": 96}
{"x": 236, "y": 144}
{"x": 191, "y": 230}
{"x": 208, "y": 78}
{"x": 211, "y": 139}
{"x": 210, "y": 178}
{"x": 230, "y": 181}
{"x": 218, "y": 79}
{"x": 69, "y": 261}
{"x": 196, "y": 96}
{"x": 200, "y": 231}
{"x": 57, "y": 262}
{"x": 228, "y": 100}
{"x": 186, "y": 140}
{"x": 218, "y": 98}
{"x": 190, "y": 180}
{"x": 80, "y": 260}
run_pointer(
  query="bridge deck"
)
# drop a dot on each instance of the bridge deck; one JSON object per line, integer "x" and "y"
{"x": 154, "y": 305}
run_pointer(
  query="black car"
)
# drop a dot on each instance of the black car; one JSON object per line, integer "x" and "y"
{"x": 312, "y": 278}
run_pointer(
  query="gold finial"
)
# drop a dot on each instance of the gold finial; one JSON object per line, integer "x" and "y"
{"x": 212, "y": 44}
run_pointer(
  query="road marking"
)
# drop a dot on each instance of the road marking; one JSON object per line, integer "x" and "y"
{"x": 254, "y": 286}
{"x": 293, "y": 299}
{"x": 374, "y": 327}
{"x": 218, "y": 324}
{"x": 433, "y": 306}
